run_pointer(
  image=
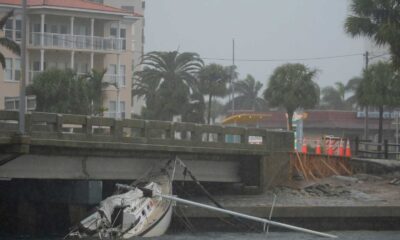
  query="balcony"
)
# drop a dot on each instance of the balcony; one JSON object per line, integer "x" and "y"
{"x": 111, "y": 79}
{"x": 80, "y": 42}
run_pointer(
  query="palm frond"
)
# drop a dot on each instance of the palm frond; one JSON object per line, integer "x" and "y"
{"x": 4, "y": 19}
{"x": 11, "y": 45}
{"x": 2, "y": 61}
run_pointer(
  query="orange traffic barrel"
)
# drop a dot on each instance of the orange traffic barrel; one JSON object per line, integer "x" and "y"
{"x": 304, "y": 146}
{"x": 348, "y": 150}
{"x": 330, "y": 149}
{"x": 318, "y": 148}
{"x": 341, "y": 148}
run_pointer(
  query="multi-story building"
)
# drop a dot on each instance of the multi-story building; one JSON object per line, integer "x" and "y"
{"x": 79, "y": 35}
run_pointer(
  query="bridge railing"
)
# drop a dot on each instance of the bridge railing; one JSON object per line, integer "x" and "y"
{"x": 99, "y": 129}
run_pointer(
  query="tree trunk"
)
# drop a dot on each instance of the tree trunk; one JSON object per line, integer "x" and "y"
{"x": 366, "y": 120}
{"x": 380, "y": 131}
{"x": 289, "y": 120}
{"x": 209, "y": 109}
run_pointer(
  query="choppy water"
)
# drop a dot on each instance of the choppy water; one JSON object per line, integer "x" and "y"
{"x": 345, "y": 235}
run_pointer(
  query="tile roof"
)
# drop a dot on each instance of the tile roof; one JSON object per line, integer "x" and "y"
{"x": 74, "y": 4}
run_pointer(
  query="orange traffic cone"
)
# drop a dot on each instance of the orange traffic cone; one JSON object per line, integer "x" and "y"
{"x": 330, "y": 149}
{"x": 348, "y": 150}
{"x": 318, "y": 148}
{"x": 304, "y": 146}
{"x": 341, "y": 148}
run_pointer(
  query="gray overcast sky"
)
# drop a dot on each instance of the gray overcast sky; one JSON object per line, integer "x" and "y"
{"x": 262, "y": 29}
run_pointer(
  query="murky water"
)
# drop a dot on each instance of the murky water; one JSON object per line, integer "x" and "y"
{"x": 345, "y": 235}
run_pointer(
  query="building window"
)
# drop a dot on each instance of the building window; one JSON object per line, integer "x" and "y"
{"x": 17, "y": 69}
{"x": 8, "y": 28}
{"x": 8, "y": 70}
{"x": 12, "y": 103}
{"x": 123, "y": 36}
{"x": 13, "y": 69}
{"x": 122, "y": 108}
{"x": 114, "y": 30}
{"x": 112, "y": 110}
{"x": 122, "y": 75}
{"x": 18, "y": 28}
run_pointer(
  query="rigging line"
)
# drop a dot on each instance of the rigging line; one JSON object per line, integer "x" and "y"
{"x": 283, "y": 59}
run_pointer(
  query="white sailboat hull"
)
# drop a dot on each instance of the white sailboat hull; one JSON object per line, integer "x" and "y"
{"x": 161, "y": 227}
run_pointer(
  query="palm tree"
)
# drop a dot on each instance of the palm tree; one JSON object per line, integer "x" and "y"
{"x": 378, "y": 20}
{"x": 213, "y": 81}
{"x": 6, "y": 42}
{"x": 291, "y": 86}
{"x": 351, "y": 87}
{"x": 341, "y": 88}
{"x": 145, "y": 87}
{"x": 194, "y": 110}
{"x": 334, "y": 97}
{"x": 331, "y": 98}
{"x": 175, "y": 75}
{"x": 95, "y": 86}
{"x": 380, "y": 88}
{"x": 248, "y": 95}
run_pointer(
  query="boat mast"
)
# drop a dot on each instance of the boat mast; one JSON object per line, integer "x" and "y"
{"x": 257, "y": 219}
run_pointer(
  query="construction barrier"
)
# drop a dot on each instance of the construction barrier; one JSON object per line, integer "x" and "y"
{"x": 333, "y": 146}
{"x": 313, "y": 166}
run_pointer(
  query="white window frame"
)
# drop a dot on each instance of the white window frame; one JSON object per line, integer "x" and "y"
{"x": 8, "y": 70}
{"x": 13, "y": 70}
{"x": 15, "y": 102}
{"x": 17, "y": 18}
{"x": 122, "y": 75}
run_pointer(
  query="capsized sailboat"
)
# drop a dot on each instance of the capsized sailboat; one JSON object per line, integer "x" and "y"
{"x": 130, "y": 212}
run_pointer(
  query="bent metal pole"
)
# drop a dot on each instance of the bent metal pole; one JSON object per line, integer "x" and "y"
{"x": 184, "y": 201}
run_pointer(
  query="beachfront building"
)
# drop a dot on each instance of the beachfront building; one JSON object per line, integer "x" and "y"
{"x": 79, "y": 35}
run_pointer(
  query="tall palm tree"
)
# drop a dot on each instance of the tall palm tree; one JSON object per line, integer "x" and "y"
{"x": 380, "y": 88}
{"x": 6, "y": 42}
{"x": 378, "y": 20}
{"x": 248, "y": 95}
{"x": 291, "y": 86}
{"x": 213, "y": 80}
{"x": 351, "y": 87}
{"x": 146, "y": 88}
{"x": 95, "y": 85}
{"x": 175, "y": 75}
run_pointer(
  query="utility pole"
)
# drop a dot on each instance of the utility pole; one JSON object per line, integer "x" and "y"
{"x": 22, "y": 97}
{"x": 232, "y": 77}
{"x": 366, "y": 107}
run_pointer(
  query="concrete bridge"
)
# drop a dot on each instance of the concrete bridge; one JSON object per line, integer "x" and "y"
{"x": 76, "y": 147}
